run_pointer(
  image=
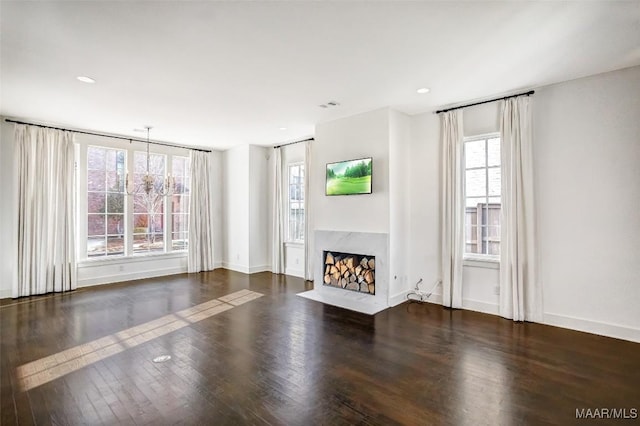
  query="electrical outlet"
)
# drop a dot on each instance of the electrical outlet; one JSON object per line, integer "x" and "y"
{"x": 297, "y": 261}
{"x": 496, "y": 290}
{"x": 238, "y": 256}
{"x": 121, "y": 268}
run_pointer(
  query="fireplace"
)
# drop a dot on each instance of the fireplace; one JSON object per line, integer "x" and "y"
{"x": 355, "y": 272}
{"x": 356, "y": 246}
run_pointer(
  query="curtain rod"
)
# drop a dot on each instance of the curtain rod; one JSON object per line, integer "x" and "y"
{"x": 292, "y": 143}
{"x": 85, "y": 132}
{"x": 530, "y": 92}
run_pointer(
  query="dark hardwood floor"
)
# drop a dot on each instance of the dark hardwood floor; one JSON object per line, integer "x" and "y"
{"x": 283, "y": 359}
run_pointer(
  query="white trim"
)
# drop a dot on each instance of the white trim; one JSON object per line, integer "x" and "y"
{"x": 555, "y": 320}
{"x": 398, "y": 298}
{"x": 117, "y": 260}
{"x": 294, "y": 244}
{"x": 128, "y": 276}
{"x": 294, "y": 272}
{"x": 479, "y": 306}
{"x": 593, "y": 327}
{"x": 235, "y": 267}
{"x": 481, "y": 263}
{"x": 6, "y": 294}
{"x": 261, "y": 268}
{"x": 245, "y": 269}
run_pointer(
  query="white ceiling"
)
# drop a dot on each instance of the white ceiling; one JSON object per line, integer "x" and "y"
{"x": 219, "y": 74}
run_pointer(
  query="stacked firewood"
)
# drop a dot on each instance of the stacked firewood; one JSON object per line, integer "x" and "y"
{"x": 350, "y": 271}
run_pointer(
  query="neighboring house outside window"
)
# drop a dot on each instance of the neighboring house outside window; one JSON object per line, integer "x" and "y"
{"x": 296, "y": 203}
{"x": 482, "y": 196}
{"x": 121, "y": 225}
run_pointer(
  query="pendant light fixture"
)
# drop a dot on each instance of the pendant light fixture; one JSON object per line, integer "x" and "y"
{"x": 149, "y": 186}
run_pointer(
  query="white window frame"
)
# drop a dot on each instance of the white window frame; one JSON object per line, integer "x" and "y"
{"x": 478, "y": 259}
{"x": 82, "y": 191}
{"x": 300, "y": 164}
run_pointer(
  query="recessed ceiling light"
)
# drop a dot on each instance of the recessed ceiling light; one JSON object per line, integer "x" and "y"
{"x": 283, "y": 128}
{"x": 423, "y": 90}
{"x": 85, "y": 79}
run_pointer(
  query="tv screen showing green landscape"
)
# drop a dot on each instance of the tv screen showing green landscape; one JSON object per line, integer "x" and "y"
{"x": 349, "y": 177}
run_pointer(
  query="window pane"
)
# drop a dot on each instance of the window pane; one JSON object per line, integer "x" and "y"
{"x": 96, "y": 246}
{"x": 95, "y": 158}
{"x": 475, "y": 183}
{"x": 493, "y": 152}
{"x": 95, "y": 202}
{"x": 115, "y": 202}
{"x": 474, "y": 154}
{"x": 179, "y": 222}
{"x": 115, "y": 224}
{"x": 140, "y": 223}
{"x": 95, "y": 224}
{"x": 474, "y": 202}
{"x": 95, "y": 180}
{"x": 180, "y": 241}
{"x": 493, "y": 216}
{"x": 115, "y": 181}
{"x": 494, "y": 181}
{"x": 115, "y": 245}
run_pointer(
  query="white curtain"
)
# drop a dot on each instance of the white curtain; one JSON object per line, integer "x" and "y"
{"x": 452, "y": 208}
{"x": 520, "y": 293}
{"x": 201, "y": 213}
{"x": 308, "y": 261}
{"x": 277, "y": 266}
{"x": 46, "y": 211}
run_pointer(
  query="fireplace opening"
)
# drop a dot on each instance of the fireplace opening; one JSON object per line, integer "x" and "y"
{"x": 355, "y": 272}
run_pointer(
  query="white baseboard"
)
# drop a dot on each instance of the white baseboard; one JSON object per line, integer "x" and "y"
{"x": 594, "y": 327}
{"x": 398, "y": 298}
{"x": 235, "y": 267}
{"x": 556, "y": 320}
{"x": 115, "y": 278}
{"x": 294, "y": 272}
{"x": 6, "y": 294}
{"x": 261, "y": 268}
{"x": 479, "y": 306}
{"x": 245, "y": 269}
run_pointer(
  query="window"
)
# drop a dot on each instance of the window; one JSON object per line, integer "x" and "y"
{"x": 180, "y": 203}
{"x": 148, "y": 209}
{"x": 482, "y": 196}
{"x": 121, "y": 225}
{"x": 105, "y": 201}
{"x": 296, "y": 203}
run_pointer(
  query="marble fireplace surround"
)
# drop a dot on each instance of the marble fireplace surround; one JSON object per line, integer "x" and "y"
{"x": 368, "y": 243}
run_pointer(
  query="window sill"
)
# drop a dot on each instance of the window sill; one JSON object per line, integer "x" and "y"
{"x": 481, "y": 262}
{"x": 131, "y": 259}
{"x": 294, "y": 244}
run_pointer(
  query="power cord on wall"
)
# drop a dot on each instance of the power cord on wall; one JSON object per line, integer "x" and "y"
{"x": 419, "y": 295}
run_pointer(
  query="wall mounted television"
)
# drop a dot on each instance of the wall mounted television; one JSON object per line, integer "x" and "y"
{"x": 349, "y": 177}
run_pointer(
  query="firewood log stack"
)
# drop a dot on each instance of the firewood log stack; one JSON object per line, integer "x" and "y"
{"x": 350, "y": 271}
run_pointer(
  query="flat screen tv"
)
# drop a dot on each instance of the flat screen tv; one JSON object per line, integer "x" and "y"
{"x": 349, "y": 177}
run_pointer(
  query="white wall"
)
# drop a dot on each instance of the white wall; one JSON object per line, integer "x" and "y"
{"x": 8, "y": 211}
{"x": 424, "y": 193}
{"x": 259, "y": 208}
{"x": 235, "y": 201}
{"x": 359, "y": 136}
{"x": 247, "y": 209}
{"x": 587, "y": 176}
{"x": 399, "y": 205}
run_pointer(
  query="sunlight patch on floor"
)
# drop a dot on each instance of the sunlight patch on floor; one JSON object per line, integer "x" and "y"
{"x": 54, "y": 366}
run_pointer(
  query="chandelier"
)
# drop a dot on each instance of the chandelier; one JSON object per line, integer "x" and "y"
{"x": 149, "y": 186}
